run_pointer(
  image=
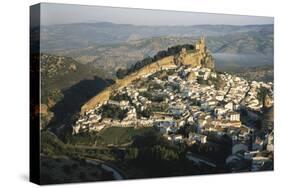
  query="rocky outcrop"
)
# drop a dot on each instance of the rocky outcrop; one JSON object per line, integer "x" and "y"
{"x": 45, "y": 115}
{"x": 197, "y": 57}
{"x": 208, "y": 61}
{"x": 192, "y": 58}
{"x": 191, "y": 76}
{"x": 268, "y": 102}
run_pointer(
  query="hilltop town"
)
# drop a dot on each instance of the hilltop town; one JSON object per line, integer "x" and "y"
{"x": 188, "y": 102}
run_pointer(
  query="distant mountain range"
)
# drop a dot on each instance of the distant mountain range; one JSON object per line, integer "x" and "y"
{"x": 110, "y": 46}
{"x": 81, "y": 35}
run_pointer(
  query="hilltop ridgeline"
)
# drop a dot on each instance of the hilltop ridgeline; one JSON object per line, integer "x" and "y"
{"x": 121, "y": 73}
{"x": 170, "y": 59}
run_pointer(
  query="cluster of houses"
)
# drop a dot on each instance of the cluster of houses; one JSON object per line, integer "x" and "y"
{"x": 252, "y": 101}
{"x": 210, "y": 102}
{"x": 259, "y": 153}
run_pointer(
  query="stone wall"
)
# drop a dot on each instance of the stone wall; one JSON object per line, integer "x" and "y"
{"x": 197, "y": 57}
{"x": 165, "y": 63}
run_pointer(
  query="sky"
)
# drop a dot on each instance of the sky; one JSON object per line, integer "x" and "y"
{"x": 65, "y": 14}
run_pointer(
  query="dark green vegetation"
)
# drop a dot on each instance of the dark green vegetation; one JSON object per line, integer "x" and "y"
{"x": 65, "y": 163}
{"x": 139, "y": 153}
{"x": 145, "y": 113}
{"x": 121, "y": 73}
{"x": 83, "y": 138}
{"x": 151, "y": 155}
{"x": 263, "y": 93}
{"x": 155, "y": 157}
{"x": 75, "y": 147}
{"x": 108, "y": 137}
{"x": 120, "y": 97}
{"x": 153, "y": 96}
{"x": 67, "y": 110}
{"x": 66, "y": 86}
{"x": 113, "y": 112}
{"x": 119, "y": 135}
{"x": 56, "y": 170}
{"x": 51, "y": 145}
{"x": 59, "y": 73}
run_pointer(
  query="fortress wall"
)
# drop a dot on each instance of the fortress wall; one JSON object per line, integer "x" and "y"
{"x": 190, "y": 58}
{"x": 193, "y": 58}
{"x": 165, "y": 63}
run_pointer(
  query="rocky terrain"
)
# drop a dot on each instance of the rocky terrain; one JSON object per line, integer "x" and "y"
{"x": 60, "y": 77}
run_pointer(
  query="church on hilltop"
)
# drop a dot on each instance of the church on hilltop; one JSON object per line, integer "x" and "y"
{"x": 197, "y": 57}
{"x": 201, "y": 45}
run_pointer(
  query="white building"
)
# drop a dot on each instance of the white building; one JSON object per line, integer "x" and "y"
{"x": 234, "y": 116}
{"x": 198, "y": 137}
{"x": 229, "y": 106}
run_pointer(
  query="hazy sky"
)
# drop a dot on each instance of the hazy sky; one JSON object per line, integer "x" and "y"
{"x": 63, "y": 14}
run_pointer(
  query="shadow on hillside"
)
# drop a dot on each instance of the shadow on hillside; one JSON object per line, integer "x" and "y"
{"x": 66, "y": 111}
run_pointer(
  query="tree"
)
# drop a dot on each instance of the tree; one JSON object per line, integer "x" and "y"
{"x": 262, "y": 93}
{"x": 121, "y": 73}
{"x": 113, "y": 111}
{"x": 132, "y": 154}
{"x": 66, "y": 169}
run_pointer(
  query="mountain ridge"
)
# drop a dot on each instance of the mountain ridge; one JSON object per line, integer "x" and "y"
{"x": 117, "y": 46}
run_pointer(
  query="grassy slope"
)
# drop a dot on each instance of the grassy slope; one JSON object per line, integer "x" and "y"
{"x": 120, "y": 135}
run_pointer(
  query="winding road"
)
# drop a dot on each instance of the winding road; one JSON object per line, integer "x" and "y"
{"x": 107, "y": 167}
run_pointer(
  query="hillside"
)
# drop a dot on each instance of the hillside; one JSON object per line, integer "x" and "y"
{"x": 99, "y": 46}
{"x": 111, "y": 57}
{"x": 64, "y": 80}
{"x": 59, "y": 73}
{"x": 105, "y": 94}
{"x": 198, "y": 56}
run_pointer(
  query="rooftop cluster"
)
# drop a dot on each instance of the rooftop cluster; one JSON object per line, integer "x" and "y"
{"x": 191, "y": 105}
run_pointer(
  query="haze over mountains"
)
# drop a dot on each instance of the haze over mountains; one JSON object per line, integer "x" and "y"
{"x": 111, "y": 46}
